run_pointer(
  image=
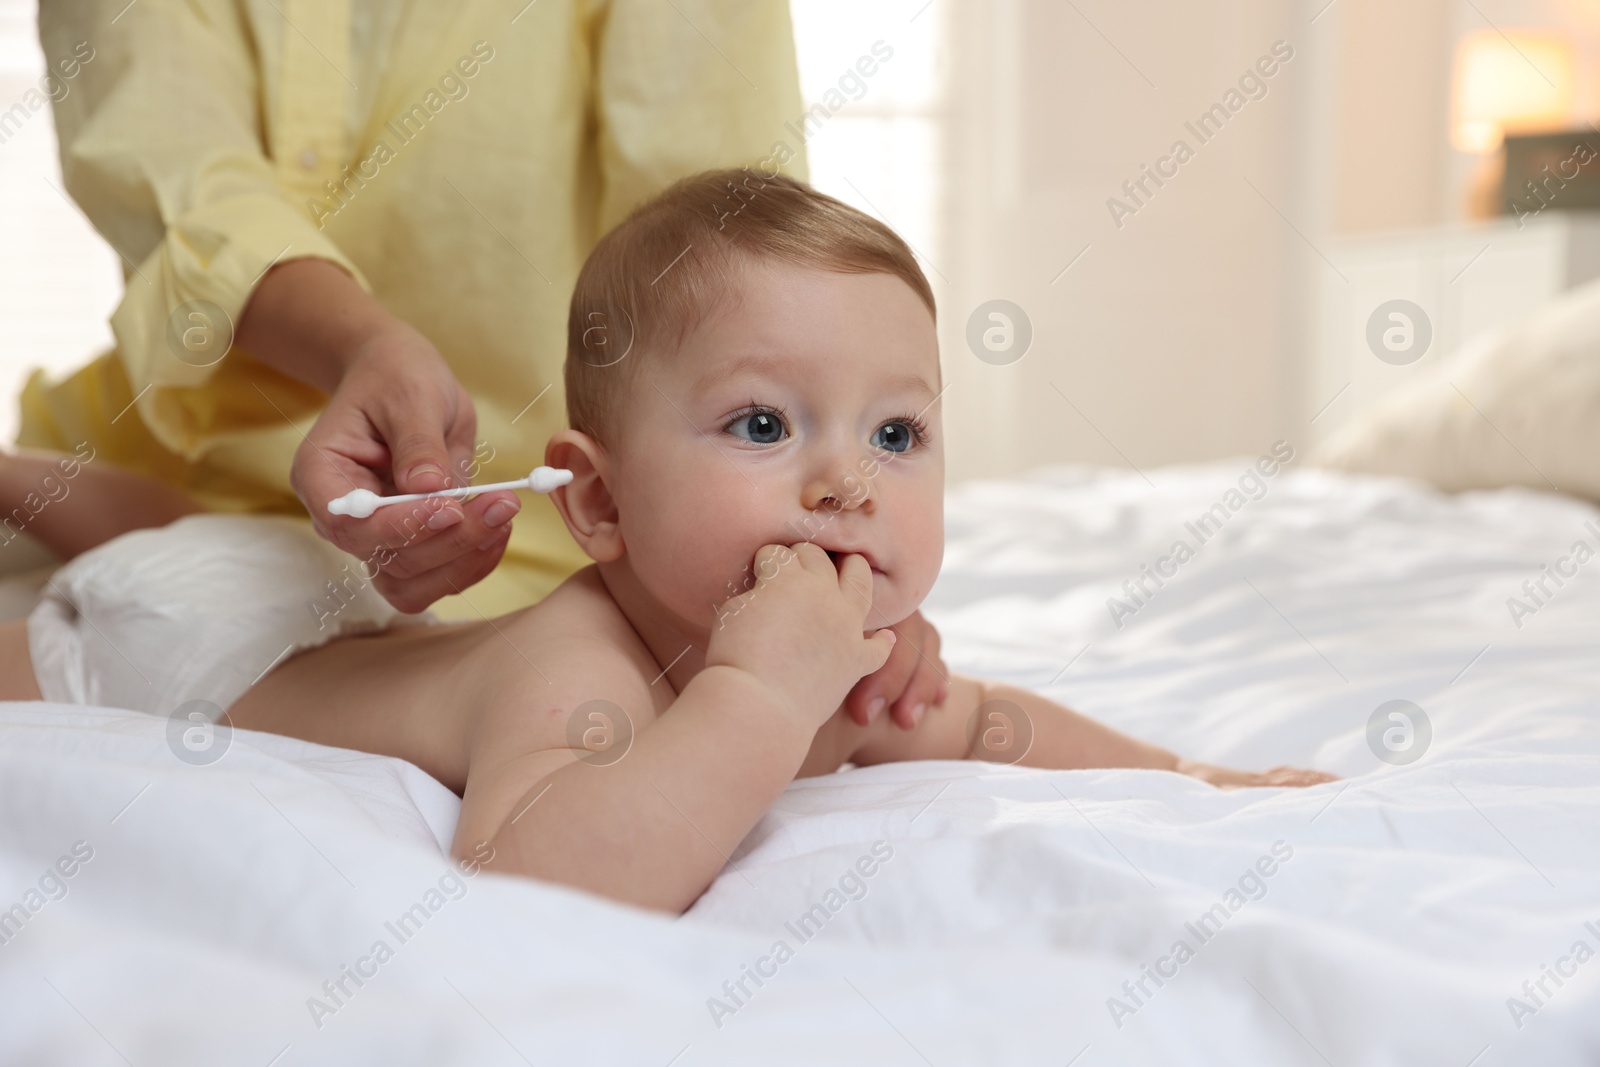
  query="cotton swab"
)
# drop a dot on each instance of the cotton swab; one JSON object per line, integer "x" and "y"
{"x": 361, "y": 503}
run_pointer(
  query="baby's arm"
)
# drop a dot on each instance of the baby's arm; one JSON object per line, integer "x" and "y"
{"x": 655, "y": 826}
{"x": 1060, "y": 738}
{"x": 652, "y": 828}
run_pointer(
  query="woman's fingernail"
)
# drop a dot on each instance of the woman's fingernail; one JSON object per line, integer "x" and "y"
{"x": 875, "y": 708}
{"x": 444, "y": 519}
{"x": 424, "y": 468}
{"x": 500, "y": 512}
{"x": 916, "y": 713}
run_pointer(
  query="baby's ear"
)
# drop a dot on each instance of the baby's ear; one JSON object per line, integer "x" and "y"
{"x": 585, "y": 502}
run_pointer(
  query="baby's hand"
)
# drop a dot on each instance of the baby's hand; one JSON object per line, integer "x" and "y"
{"x": 799, "y": 631}
{"x": 1224, "y": 778}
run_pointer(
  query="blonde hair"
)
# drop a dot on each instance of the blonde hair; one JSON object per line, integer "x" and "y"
{"x": 648, "y": 283}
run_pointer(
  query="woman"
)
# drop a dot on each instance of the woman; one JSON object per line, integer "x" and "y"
{"x": 350, "y": 229}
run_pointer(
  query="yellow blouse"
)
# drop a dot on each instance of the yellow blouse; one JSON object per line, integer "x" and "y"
{"x": 458, "y": 159}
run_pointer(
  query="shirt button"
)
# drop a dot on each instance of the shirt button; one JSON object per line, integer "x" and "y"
{"x": 308, "y": 158}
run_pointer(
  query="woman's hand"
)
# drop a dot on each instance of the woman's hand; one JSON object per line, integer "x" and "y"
{"x": 397, "y": 421}
{"x": 913, "y": 679}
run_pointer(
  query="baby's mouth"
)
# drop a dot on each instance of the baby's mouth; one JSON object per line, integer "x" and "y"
{"x": 836, "y": 557}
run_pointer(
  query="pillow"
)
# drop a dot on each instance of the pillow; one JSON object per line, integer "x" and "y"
{"x": 1519, "y": 406}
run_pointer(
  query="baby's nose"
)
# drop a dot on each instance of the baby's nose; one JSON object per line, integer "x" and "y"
{"x": 841, "y": 492}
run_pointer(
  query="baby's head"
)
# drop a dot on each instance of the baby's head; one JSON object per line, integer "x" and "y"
{"x": 750, "y": 362}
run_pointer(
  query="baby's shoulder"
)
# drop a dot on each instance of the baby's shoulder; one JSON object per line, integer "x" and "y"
{"x": 572, "y": 646}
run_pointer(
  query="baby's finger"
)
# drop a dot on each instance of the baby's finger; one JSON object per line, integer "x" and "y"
{"x": 770, "y": 560}
{"x": 878, "y": 647}
{"x": 870, "y": 696}
{"x": 930, "y": 685}
{"x": 921, "y": 693}
{"x": 855, "y": 578}
{"x": 813, "y": 558}
{"x": 1298, "y": 777}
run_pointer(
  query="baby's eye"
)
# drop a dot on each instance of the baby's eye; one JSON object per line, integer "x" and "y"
{"x": 758, "y": 427}
{"x": 893, "y": 437}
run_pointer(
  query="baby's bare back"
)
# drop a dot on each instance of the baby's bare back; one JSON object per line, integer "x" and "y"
{"x": 460, "y": 699}
{"x": 431, "y": 694}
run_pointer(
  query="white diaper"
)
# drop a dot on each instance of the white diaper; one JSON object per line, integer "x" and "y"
{"x": 196, "y": 610}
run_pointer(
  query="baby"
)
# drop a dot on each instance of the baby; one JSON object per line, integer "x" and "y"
{"x": 752, "y": 386}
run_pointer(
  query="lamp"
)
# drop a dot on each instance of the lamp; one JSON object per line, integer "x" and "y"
{"x": 1520, "y": 81}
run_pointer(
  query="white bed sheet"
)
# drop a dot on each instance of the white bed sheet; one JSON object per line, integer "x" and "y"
{"x": 1016, "y": 903}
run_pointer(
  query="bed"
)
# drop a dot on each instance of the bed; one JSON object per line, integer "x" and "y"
{"x": 1429, "y": 908}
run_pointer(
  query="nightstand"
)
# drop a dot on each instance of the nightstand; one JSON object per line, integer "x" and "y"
{"x": 1466, "y": 280}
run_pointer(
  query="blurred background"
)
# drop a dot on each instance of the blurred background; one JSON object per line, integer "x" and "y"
{"x": 1161, "y": 304}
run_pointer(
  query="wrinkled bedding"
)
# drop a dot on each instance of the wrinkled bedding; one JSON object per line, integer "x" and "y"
{"x": 1440, "y": 904}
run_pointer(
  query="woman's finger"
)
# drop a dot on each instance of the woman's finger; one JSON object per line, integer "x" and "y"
{"x": 415, "y": 594}
{"x": 484, "y": 518}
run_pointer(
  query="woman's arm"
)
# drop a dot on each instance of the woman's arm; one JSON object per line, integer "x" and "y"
{"x": 165, "y": 148}
{"x": 312, "y": 320}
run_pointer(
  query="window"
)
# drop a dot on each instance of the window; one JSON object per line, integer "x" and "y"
{"x": 59, "y": 281}
{"x": 874, "y": 139}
